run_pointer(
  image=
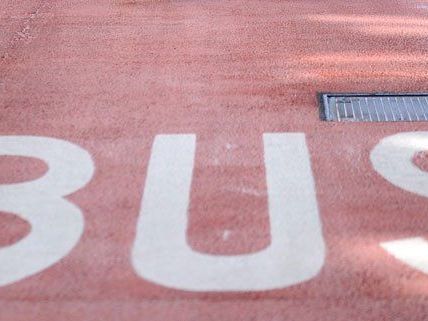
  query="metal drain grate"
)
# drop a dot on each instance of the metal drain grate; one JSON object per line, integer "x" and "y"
{"x": 374, "y": 107}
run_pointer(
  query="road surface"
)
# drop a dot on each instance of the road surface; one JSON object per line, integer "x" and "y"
{"x": 165, "y": 160}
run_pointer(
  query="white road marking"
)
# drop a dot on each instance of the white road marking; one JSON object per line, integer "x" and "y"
{"x": 392, "y": 159}
{"x": 161, "y": 254}
{"x": 56, "y": 223}
{"x": 412, "y": 251}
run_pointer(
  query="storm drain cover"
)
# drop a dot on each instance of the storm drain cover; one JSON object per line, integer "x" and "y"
{"x": 374, "y": 107}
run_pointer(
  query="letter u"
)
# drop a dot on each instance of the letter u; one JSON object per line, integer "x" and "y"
{"x": 161, "y": 255}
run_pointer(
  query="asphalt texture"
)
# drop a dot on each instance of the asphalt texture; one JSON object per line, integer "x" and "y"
{"x": 111, "y": 75}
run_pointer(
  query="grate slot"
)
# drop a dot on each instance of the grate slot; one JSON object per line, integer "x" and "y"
{"x": 374, "y": 107}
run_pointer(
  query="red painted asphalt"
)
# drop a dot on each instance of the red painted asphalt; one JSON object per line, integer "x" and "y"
{"x": 111, "y": 75}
